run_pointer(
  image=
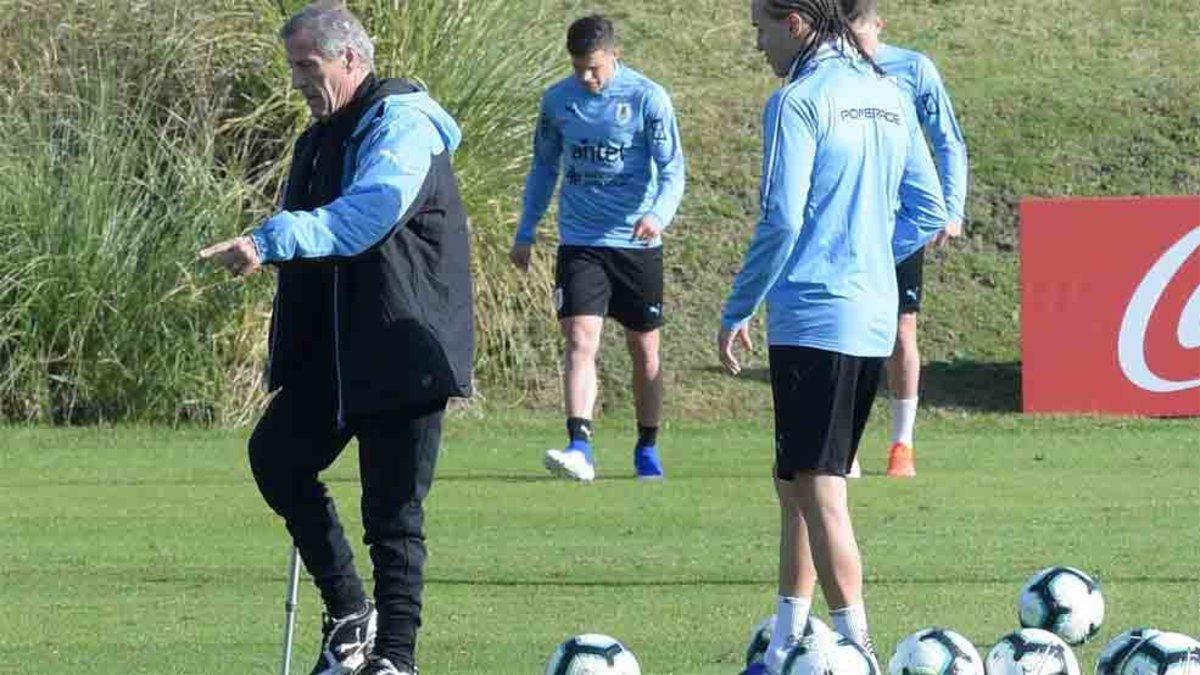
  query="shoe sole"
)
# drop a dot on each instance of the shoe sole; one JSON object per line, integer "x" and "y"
{"x": 651, "y": 479}
{"x": 560, "y": 470}
{"x": 911, "y": 473}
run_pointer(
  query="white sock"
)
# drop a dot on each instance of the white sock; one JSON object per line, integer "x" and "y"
{"x": 852, "y": 623}
{"x": 904, "y": 418}
{"x": 791, "y": 614}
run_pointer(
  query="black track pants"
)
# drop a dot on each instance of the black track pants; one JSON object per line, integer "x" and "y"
{"x": 296, "y": 439}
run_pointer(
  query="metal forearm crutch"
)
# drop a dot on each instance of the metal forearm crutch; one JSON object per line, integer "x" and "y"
{"x": 289, "y": 608}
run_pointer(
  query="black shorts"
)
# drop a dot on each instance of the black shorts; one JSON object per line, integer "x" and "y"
{"x": 822, "y": 402}
{"x": 626, "y": 284}
{"x": 910, "y": 277}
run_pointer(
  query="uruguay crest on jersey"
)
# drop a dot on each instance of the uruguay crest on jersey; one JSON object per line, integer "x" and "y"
{"x": 624, "y": 112}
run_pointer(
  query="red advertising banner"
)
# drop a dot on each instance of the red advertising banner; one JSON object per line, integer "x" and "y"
{"x": 1110, "y": 305}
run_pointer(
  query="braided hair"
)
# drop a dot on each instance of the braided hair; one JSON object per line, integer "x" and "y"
{"x": 828, "y": 21}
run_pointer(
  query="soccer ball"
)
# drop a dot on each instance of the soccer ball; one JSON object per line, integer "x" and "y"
{"x": 1118, "y": 649}
{"x": 935, "y": 651}
{"x": 1163, "y": 654}
{"x": 851, "y": 658}
{"x": 592, "y": 654}
{"x": 1031, "y": 651}
{"x": 760, "y": 639}
{"x": 830, "y": 654}
{"x": 1065, "y": 602}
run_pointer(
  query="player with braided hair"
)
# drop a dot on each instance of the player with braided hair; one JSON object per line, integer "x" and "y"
{"x": 827, "y": 23}
{"x": 842, "y": 155}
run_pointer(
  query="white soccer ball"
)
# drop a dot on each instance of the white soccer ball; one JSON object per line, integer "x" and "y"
{"x": 1118, "y": 649}
{"x": 935, "y": 651}
{"x": 851, "y": 658}
{"x": 1065, "y": 602}
{"x": 830, "y": 654}
{"x": 1164, "y": 654}
{"x": 1031, "y": 651}
{"x": 760, "y": 639}
{"x": 592, "y": 654}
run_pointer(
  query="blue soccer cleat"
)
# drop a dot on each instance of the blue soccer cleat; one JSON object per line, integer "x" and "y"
{"x": 647, "y": 464}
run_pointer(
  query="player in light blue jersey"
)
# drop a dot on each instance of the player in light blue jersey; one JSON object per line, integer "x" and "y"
{"x": 611, "y": 134}
{"x": 842, "y": 156}
{"x": 920, "y": 80}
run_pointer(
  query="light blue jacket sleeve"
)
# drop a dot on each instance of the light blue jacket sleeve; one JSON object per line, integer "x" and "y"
{"x": 543, "y": 174}
{"x": 936, "y": 113}
{"x": 662, "y": 135}
{"x": 922, "y": 210}
{"x": 390, "y": 169}
{"x": 789, "y": 151}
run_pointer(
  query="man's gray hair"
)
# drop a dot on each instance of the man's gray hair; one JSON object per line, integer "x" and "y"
{"x": 333, "y": 28}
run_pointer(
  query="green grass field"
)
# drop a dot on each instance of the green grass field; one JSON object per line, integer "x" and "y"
{"x": 141, "y": 550}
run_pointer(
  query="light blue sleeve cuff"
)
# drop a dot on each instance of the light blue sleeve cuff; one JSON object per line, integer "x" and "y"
{"x": 260, "y": 246}
{"x": 730, "y": 324}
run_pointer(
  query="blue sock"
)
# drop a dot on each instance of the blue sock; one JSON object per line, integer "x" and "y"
{"x": 579, "y": 431}
{"x": 581, "y": 446}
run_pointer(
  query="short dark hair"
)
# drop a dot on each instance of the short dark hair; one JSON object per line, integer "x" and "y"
{"x": 857, "y": 10}
{"x": 589, "y": 34}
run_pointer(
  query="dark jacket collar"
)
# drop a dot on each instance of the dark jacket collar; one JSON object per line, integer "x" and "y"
{"x": 372, "y": 90}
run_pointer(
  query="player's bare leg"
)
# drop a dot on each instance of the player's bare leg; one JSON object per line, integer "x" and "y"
{"x": 647, "y": 375}
{"x": 904, "y": 366}
{"x": 648, "y": 399}
{"x": 797, "y": 578}
{"x": 904, "y": 378}
{"x": 835, "y": 555}
{"x": 582, "y": 336}
{"x": 797, "y": 572}
{"x": 822, "y": 502}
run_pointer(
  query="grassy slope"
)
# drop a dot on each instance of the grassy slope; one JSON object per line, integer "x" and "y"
{"x": 1057, "y": 99}
{"x": 139, "y": 551}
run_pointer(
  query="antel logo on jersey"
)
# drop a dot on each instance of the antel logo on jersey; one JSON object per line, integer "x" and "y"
{"x": 600, "y": 153}
{"x": 1131, "y": 342}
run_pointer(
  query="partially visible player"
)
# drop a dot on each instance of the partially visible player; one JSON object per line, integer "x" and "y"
{"x": 611, "y": 133}
{"x": 842, "y": 154}
{"x": 919, "y": 78}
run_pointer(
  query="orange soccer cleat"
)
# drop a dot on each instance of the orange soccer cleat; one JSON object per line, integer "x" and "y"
{"x": 901, "y": 461}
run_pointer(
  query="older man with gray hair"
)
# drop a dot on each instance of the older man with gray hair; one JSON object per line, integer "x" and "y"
{"x": 371, "y": 332}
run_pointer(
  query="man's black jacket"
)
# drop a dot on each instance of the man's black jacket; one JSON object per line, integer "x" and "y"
{"x": 391, "y": 326}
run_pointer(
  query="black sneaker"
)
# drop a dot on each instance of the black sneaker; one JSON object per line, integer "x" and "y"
{"x": 377, "y": 665}
{"x": 345, "y": 642}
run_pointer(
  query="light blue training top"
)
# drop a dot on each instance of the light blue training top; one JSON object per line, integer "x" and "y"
{"x": 842, "y": 155}
{"x": 397, "y": 140}
{"x": 619, "y": 155}
{"x": 919, "y": 78}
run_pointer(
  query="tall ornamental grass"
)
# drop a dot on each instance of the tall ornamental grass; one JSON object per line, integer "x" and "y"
{"x": 136, "y": 132}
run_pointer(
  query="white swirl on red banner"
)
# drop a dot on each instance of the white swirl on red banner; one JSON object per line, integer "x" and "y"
{"x": 1131, "y": 343}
